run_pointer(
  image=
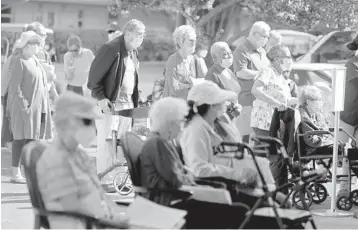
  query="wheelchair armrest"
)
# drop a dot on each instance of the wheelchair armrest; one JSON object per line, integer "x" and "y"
{"x": 212, "y": 183}
{"x": 317, "y": 132}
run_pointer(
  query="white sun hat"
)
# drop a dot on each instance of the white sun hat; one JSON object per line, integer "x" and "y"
{"x": 28, "y": 36}
{"x": 207, "y": 92}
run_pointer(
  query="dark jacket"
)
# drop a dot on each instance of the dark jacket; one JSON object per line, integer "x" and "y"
{"x": 107, "y": 71}
{"x": 350, "y": 113}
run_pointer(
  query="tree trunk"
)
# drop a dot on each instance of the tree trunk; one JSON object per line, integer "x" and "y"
{"x": 181, "y": 20}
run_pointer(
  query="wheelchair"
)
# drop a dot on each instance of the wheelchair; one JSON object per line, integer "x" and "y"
{"x": 318, "y": 192}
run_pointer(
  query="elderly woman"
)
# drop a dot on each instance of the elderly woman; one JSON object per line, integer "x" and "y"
{"x": 66, "y": 177}
{"x": 28, "y": 102}
{"x": 271, "y": 90}
{"x": 180, "y": 67}
{"x": 77, "y": 62}
{"x": 162, "y": 167}
{"x": 313, "y": 118}
{"x": 220, "y": 72}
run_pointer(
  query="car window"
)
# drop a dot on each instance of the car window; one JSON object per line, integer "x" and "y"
{"x": 308, "y": 77}
{"x": 334, "y": 50}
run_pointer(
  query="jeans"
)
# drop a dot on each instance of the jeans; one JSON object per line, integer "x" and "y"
{"x": 75, "y": 89}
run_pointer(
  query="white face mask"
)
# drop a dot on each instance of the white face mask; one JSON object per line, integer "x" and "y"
{"x": 226, "y": 63}
{"x": 86, "y": 134}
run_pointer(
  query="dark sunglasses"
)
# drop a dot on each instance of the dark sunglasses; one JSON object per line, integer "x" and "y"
{"x": 110, "y": 31}
{"x": 87, "y": 122}
{"x": 74, "y": 51}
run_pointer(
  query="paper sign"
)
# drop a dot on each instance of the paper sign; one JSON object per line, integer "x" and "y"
{"x": 339, "y": 88}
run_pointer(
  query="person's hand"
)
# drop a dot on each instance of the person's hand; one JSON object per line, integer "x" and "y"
{"x": 293, "y": 101}
{"x": 105, "y": 105}
{"x": 250, "y": 177}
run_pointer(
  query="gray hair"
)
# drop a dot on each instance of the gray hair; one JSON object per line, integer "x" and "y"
{"x": 74, "y": 40}
{"x": 217, "y": 47}
{"x": 259, "y": 26}
{"x": 167, "y": 110}
{"x": 132, "y": 25}
{"x": 310, "y": 93}
{"x": 37, "y": 27}
{"x": 276, "y": 36}
{"x": 278, "y": 51}
{"x": 180, "y": 33}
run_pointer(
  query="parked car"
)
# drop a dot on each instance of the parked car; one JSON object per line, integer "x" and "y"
{"x": 330, "y": 48}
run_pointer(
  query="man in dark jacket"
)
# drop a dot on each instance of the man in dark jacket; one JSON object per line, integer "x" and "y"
{"x": 113, "y": 80}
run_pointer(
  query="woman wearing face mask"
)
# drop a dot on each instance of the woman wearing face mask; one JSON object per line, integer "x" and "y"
{"x": 28, "y": 101}
{"x": 67, "y": 179}
{"x": 77, "y": 62}
{"x": 271, "y": 90}
{"x": 199, "y": 57}
{"x": 180, "y": 67}
{"x": 220, "y": 72}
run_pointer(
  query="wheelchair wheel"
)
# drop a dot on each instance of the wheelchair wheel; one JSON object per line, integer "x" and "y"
{"x": 298, "y": 203}
{"x": 319, "y": 192}
{"x": 344, "y": 203}
{"x": 354, "y": 196}
{"x": 122, "y": 183}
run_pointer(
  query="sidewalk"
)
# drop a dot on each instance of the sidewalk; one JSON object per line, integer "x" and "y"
{"x": 16, "y": 212}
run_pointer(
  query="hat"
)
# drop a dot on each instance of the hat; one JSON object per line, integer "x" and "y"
{"x": 209, "y": 93}
{"x": 279, "y": 51}
{"x": 70, "y": 104}
{"x": 353, "y": 45}
{"x": 112, "y": 26}
{"x": 27, "y": 36}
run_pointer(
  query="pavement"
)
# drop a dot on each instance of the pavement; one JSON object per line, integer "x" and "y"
{"x": 16, "y": 209}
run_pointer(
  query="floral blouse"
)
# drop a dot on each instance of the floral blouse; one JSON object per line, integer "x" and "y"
{"x": 277, "y": 87}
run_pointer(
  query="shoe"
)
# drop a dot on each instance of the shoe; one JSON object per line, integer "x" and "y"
{"x": 18, "y": 180}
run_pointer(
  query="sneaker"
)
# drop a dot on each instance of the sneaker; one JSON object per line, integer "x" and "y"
{"x": 18, "y": 180}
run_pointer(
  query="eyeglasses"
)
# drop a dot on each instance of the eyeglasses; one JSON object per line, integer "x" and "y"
{"x": 111, "y": 31}
{"x": 141, "y": 35}
{"x": 74, "y": 50}
{"x": 33, "y": 43}
{"x": 263, "y": 35}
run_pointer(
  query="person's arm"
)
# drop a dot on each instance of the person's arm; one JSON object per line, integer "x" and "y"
{"x": 314, "y": 141}
{"x": 241, "y": 61}
{"x": 5, "y": 77}
{"x": 90, "y": 57}
{"x": 69, "y": 75}
{"x": 258, "y": 92}
{"x": 15, "y": 87}
{"x": 99, "y": 68}
{"x": 202, "y": 68}
{"x": 197, "y": 148}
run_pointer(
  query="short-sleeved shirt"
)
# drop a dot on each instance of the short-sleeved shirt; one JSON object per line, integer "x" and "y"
{"x": 277, "y": 87}
{"x": 247, "y": 56}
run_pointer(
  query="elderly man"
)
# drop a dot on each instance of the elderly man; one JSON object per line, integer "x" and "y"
{"x": 113, "y": 80}
{"x": 249, "y": 58}
{"x": 180, "y": 67}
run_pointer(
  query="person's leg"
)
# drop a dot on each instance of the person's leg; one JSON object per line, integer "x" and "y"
{"x": 243, "y": 122}
{"x": 17, "y": 147}
{"x": 6, "y": 134}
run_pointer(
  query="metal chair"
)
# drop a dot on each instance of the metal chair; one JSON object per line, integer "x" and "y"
{"x": 31, "y": 154}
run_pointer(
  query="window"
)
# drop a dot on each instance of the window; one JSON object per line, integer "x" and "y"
{"x": 80, "y": 19}
{"x": 5, "y": 13}
{"x": 51, "y": 19}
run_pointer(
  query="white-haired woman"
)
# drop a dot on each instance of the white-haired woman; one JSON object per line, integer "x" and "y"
{"x": 28, "y": 102}
{"x": 180, "y": 67}
{"x": 162, "y": 167}
{"x": 275, "y": 39}
{"x": 77, "y": 62}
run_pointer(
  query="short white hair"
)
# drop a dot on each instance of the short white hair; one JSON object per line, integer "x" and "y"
{"x": 132, "y": 25}
{"x": 276, "y": 36}
{"x": 259, "y": 26}
{"x": 180, "y": 34}
{"x": 217, "y": 47}
{"x": 167, "y": 110}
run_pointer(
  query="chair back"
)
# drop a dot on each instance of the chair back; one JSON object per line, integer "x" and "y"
{"x": 132, "y": 147}
{"x": 30, "y": 155}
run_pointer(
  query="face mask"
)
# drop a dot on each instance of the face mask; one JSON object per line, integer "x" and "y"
{"x": 286, "y": 64}
{"x": 226, "y": 63}
{"x": 86, "y": 134}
